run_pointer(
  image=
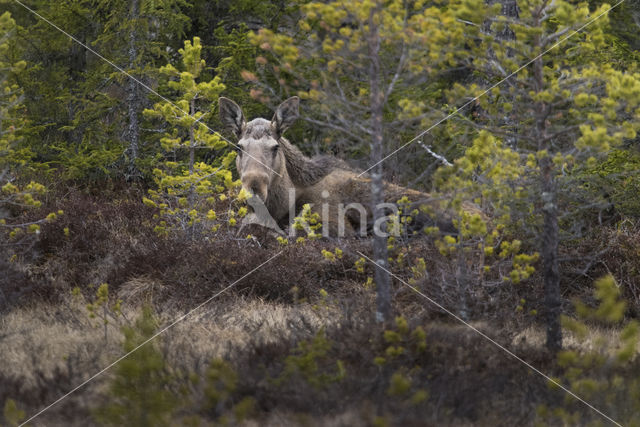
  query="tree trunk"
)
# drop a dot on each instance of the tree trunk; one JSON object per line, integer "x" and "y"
{"x": 78, "y": 58}
{"x": 462, "y": 278}
{"x": 550, "y": 271}
{"x": 510, "y": 9}
{"x": 192, "y": 138}
{"x": 77, "y": 72}
{"x": 133, "y": 95}
{"x": 550, "y": 234}
{"x": 381, "y": 276}
{"x": 192, "y": 157}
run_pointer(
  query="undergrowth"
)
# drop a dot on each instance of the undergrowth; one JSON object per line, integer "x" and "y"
{"x": 295, "y": 340}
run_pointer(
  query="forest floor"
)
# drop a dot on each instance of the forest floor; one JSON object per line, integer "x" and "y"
{"x": 293, "y": 343}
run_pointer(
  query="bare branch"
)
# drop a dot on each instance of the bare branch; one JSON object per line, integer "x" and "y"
{"x": 441, "y": 158}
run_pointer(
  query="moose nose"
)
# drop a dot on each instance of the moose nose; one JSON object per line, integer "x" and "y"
{"x": 257, "y": 185}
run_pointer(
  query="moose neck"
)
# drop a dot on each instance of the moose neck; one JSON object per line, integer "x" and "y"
{"x": 299, "y": 173}
{"x": 302, "y": 170}
{"x": 278, "y": 202}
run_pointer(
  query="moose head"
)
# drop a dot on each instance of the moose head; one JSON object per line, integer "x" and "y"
{"x": 260, "y": 160}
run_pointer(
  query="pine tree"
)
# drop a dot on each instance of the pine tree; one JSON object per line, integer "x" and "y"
{"x": 357, "y": 64}
{"x": 186, "y": 188}
{"x": 563, "y": 111}
{"x": 605, "y": 373}
{"x": 487, "y": 250}
{"x": 224, "y": 27}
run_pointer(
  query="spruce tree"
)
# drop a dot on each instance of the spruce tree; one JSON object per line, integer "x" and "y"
{"x": 69, "y": 111}
{"x": 17, "y": 192}
{"x": 143, "y": 32}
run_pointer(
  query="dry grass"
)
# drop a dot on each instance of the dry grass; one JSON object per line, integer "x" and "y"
{"x": 475, "y": 383}
{"x": 44, "y": 336}
{"x": 597, "y": 338}
{"x": 229, "y": 330}
{"x": 252, "y": 333}
{"x": 38, "y": 340}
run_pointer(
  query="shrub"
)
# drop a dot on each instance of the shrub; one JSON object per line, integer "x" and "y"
{"x": 186, "y": 189}
{"x": 137, "y": 393}
{"x": 309, "y": 362}
{"x": 607, "y": 377}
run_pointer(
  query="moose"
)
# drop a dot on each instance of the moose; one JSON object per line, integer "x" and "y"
{"x": 284, "y": 179}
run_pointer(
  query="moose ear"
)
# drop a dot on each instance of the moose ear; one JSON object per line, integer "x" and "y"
{"x": 286, "y": 114}
{"x": 231, "y": 115}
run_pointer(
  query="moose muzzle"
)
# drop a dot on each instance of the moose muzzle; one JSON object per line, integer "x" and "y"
{"x": 256, "y": 184}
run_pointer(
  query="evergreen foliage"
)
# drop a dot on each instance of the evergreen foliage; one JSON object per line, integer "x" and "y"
{"x": 17, "y": 192}
{"x": 187, "y": 189}
{"x": 326, "y": 60}
{"x": 615, "y": 180}
{"x": 138, "y": 393}
{"x": 606, "y": 376}
{"x": 12, "y": 414}
{"x": 556, "y": 115}
{"x": 308, "y": 362}
{"x": 220, "y": 389}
